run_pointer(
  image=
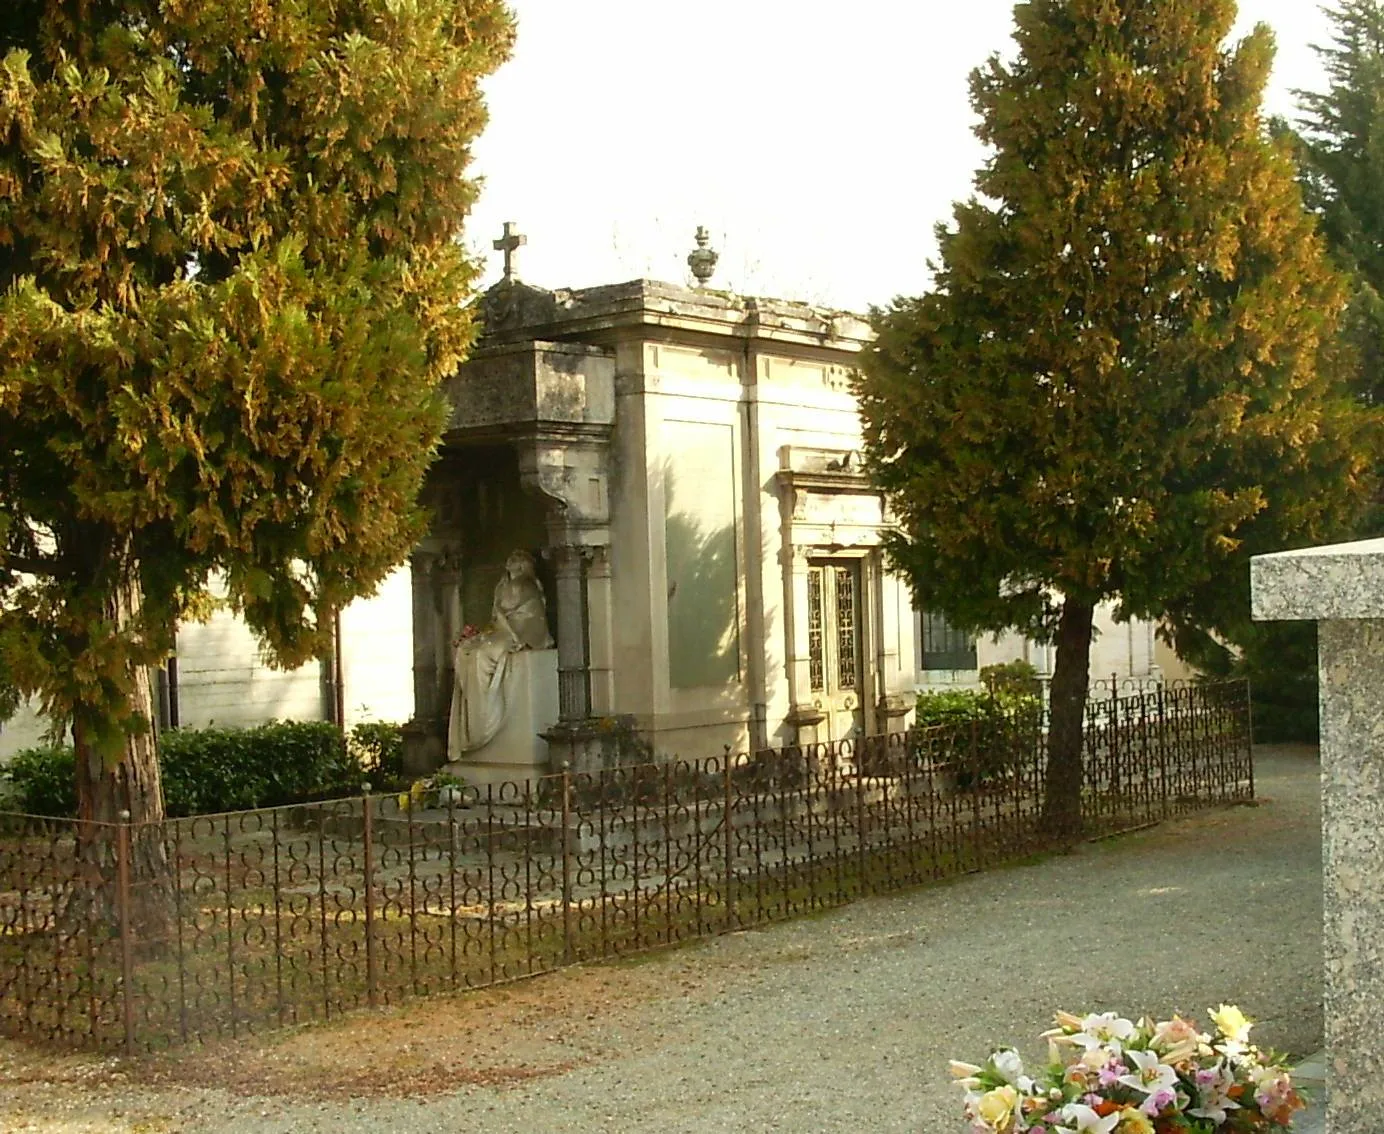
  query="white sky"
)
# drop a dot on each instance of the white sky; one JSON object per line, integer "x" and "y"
{"x": 819, "y": 142}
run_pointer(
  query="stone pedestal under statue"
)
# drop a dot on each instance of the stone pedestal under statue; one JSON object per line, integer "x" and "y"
{"x": 517, "y": 752}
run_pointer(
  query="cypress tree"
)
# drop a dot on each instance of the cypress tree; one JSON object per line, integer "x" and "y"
{"x": 1341, "y": 148}
{"x": 1112, "y": 390}
{"x": 230, "y": 285}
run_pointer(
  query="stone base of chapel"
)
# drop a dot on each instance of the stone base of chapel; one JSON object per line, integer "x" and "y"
{"x": 518, "y": 753}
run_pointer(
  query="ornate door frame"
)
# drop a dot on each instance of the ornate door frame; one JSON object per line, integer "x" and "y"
{"x": 809, "y": 709}
{"x": 830, "y": 511}
{"x": 836, "y": 629}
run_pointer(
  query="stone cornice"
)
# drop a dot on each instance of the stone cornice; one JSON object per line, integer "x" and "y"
{"x": 606, "y": 311}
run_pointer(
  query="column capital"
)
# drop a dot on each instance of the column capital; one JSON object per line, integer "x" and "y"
{"x": 569, "y": 556}
{"x": 572, "y": 476}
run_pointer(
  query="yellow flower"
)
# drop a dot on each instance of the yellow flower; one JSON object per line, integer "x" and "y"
{"x": 1231, "y": 1022}
{"x": 996, "y": 1108}
{"x": 1134, "y": 1122}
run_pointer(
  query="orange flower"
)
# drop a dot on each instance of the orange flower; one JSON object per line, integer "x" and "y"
{"x": 1105, "y": 1107}
{"x": 1282, "y": 1114}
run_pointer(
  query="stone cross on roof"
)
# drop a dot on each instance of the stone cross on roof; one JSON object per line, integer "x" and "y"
{"x": 509, "y": 244}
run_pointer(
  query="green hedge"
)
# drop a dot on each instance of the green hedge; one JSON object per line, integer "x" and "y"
{"x": 42, "y": 781}
{"x": 1017, "y": 676}
{"x": 1004, "y": 724}
{"x": 233, "y": 769}
{"x": 230, "y": 769}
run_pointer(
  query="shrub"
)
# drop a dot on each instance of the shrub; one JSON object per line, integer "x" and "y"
{"x": 378, "y": 750}
{"x": 227, "y": 769}
{"x": 1004, "y": 726}
{"x": 1017, "y": 676}
{"x": 43, "y": 781}
{"x": 232, "y": 769}
{"x": 952, "y": 707}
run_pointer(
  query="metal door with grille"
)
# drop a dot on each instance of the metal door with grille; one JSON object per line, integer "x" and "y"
{"x": 834, "y": 630}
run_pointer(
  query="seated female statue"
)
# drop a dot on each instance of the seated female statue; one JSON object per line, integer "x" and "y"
{"x": 519, "y": 621}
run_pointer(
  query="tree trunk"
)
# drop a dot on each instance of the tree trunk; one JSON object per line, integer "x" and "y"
{"x": 123, "y": 789}
{"x": 1070, "y": 679}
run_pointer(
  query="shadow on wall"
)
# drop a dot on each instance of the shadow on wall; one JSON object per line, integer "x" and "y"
{"x": 708, "y": 610}
{"x": 702, "y": 571}
{"x": 703, "y": 615}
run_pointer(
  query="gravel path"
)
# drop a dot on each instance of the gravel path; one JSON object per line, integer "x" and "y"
{"x": 839, "y": 1022}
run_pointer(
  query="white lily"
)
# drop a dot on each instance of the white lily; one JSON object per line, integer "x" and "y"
{"x": 1108, "y": 1027}
{"x": 1103, "y": 1030}
{"x": 1150, "y": 1074}
{"x": 1078, "y": 1118}
{"x": 1008, "y": 1065}
{"x": 1213, "y": 1083}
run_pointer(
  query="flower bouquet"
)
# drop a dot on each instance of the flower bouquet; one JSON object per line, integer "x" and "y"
{"x": 1107, "y": 1075}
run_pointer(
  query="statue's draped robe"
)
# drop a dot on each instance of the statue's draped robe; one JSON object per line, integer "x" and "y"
{"x": 482, "y": 663}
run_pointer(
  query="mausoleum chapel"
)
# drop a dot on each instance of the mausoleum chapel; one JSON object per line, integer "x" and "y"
{"x": 648, "y": 505}
{"x": 683, "y": 466}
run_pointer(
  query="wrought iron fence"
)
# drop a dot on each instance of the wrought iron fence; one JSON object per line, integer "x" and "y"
{"x": 131, "y": 938}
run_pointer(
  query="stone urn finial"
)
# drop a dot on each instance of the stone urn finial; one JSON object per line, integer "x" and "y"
{"x": 702, "y": 259}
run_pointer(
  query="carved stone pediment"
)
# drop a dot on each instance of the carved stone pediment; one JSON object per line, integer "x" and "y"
{"x": 841, "y": 469}
{"x": 511, "y": 305}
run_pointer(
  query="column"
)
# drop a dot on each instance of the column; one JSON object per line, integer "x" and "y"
{"x": 1342, "y": 587}
{"x": 573, "y": 668}
{"x": 436, "y": 580}
{"x": 802, "y": 715}
{"x": 600, "y": 632}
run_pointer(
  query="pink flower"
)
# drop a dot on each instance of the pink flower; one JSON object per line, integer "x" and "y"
{"x": 1160, "y": 1098}
{"x": 1111, "y": 1072}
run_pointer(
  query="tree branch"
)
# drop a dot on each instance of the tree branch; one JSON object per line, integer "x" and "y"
{"x": 35, "y": 565}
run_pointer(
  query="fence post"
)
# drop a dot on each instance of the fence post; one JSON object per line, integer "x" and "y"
{"x": 1163, "y": 750}
{"x": 368, "y": 821}
{"x": 1248, "y": 719}
{"x": 230, "y": 920}
{"x": 1116, "y": 778}
{"x": 491, "y": 909}
{"x": 566, "y": 862}
{"x": 728, "y": 870}
{"x": 862, "y": 856}
{"x": 123, "y": 899}
{"x": 977, "y": 843}
{"x": 1144, "y": 755}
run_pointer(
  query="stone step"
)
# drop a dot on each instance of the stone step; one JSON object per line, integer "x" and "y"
{"x": 1310, "y": 1076}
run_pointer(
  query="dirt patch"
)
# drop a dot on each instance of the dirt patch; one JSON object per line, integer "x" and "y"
{"x": 492, "y": 1037}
